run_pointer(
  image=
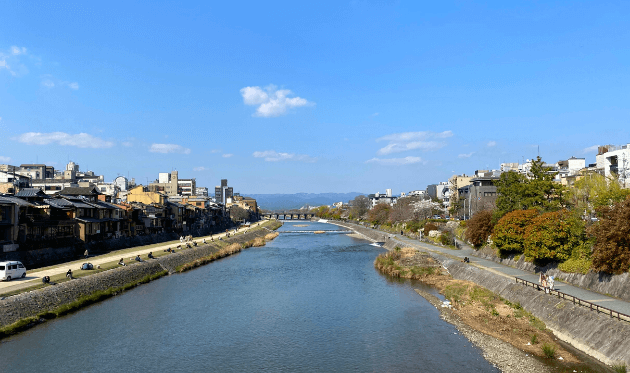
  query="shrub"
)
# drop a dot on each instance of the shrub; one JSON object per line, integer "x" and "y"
{"x": 619, "y": 368}
{"x": 479, "y": 228}
{"x": 430, "y": 227}
{"x": 534, "y": 339}
{"x": 509, "y": 232}
{"x": 549, "y": 350}
{"x": 611, "y": 252}
{"x": 446, "y": 238}
{"x": 553, "y": 236}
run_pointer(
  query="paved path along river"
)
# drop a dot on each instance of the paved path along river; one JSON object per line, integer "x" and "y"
{"x": 466, "y": 251}
{"x": 34, "y": 277}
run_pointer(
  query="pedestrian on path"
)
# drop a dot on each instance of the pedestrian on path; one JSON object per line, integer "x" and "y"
{"x": 86, "y": 254}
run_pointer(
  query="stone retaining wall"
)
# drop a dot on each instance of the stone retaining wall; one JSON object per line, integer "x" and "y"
{"x": 603, "y": 283}
{"x": 30, "y": 304}
{"x": 599, "y": 335}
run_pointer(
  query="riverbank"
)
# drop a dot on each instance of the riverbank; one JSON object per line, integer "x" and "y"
{"x": 510, "y": 337}
{"x": 22, "y": 311}
{"x": 606, "y": 339}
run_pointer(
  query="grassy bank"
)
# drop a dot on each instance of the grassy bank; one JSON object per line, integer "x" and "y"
{"x": 483, "y": 310}
{"x": 76, "y": 305}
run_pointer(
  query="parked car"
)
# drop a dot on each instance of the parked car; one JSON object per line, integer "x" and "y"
{"x": 11, "y": 270}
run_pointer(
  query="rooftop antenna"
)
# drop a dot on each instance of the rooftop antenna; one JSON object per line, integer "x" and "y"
{"x": 539, "y": 150}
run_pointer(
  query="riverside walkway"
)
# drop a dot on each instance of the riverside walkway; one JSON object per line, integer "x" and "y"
{"x": 33, "y": 277}
{"x": 603, "y": 300}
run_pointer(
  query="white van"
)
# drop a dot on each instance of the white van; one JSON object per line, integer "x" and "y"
{"x": 9, "y": 270}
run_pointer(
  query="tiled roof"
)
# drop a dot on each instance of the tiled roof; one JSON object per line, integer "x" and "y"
{"x": 30, "y": 192}
{"x": 80, "y": 191}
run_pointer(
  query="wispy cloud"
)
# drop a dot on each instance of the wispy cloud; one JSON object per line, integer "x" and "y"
{"x": 271, "y": 101}
{"x": 48, "y": 81}
{"x": 5, "y": 159}
{"x": 274, "y": 156}
{"x": 395, "y": 161}
{"x": 491, "y": 143}
{"x": 215, "y": 151}
{"x": 424, "y": 140}
{"x": 80, "y": 140}
{"x": 375, "y": 115}
{"x": 127, "y": 144}
{"x": 590, "y": 149}
{"x": 466, "y": 155}
{"x": 168, "y": 148}
{"x": 200, "y": 168}
{"x": 10, "y": 61}
{"x": 227, "y": 155}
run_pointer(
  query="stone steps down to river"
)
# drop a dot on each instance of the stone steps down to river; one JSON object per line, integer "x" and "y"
{"x": 597, "y": 334}
{"x": 30, "y": 304}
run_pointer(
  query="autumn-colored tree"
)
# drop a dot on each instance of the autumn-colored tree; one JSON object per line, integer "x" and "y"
{"x": 611, "y": 252}
{"x": 379, "y": 214}
{"x": 509, "y": 233}
{"x": 595, "y": 191}
{"x": 479, "y": 228}
{"x": 553, "y": 236}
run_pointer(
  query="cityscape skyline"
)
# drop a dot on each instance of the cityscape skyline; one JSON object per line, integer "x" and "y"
{"x": 310, "y": 98}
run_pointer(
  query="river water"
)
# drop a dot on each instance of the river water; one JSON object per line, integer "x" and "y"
{"x": 303, "y": 303}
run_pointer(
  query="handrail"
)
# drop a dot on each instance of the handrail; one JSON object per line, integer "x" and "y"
{"x": 578, "y": 301}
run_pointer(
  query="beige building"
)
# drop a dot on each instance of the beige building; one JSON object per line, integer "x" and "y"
{"x": 456, "y": 182}
{"x": 139, "y": 194}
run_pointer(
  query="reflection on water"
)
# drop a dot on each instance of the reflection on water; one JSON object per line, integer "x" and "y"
{"x": 304, "y": 302}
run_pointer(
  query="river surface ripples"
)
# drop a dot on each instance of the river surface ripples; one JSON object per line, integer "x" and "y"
{"x": 304, "y": 303}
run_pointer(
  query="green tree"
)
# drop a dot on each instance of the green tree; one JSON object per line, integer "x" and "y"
{"x": 554, "y": 235}
{"x": 594, "y": 191}
{"x": 537, "y": 191}
{"x": 611, "y": 252}
{"x": 509, "y": 232}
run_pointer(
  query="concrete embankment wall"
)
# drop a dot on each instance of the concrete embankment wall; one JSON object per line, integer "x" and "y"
{"x": 30, "y": 304}
{"x": 603, "y": 283}
{"x": 599, "y": 335}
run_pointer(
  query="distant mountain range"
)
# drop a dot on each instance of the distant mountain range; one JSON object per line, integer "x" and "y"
{"x": 298, "y": 200}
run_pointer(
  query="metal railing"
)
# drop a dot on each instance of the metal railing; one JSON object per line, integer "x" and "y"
{"x": 575, "y": 300}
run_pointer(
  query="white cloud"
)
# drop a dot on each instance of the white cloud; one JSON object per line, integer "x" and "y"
{"x": 466, "y": 155}
{"x": 492, "y": 143}
{"x": 375, "y": 115}
{"x": 590, "y": 149}
{"x": 215, "y": 151}
{"x": 227, "y": 155}
{"x": 17, "y": 50}
{"x": 424, "y": 140}
{"x": 127, "y": 144}
{"x": 73, "y": 85}
{"x": 271, "y": 102}
{"x": 5, "y": 159}
{"x": 395, "y": 161}
{"x": 200, "y": 168}
{"x": 274, "y": 156}
{"x": 48, "y": 83}
{"x": 80, "y": 140}
{"x": 168, "y": 148}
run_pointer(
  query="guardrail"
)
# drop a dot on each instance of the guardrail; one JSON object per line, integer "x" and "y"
{"x": 578, "y": 301}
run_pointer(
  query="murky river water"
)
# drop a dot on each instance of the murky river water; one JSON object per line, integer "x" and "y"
{"x": 303, "y": 303}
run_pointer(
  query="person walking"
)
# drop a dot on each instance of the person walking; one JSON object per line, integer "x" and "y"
{"x": 86, "y": 254}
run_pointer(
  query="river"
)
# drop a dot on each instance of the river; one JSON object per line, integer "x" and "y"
{"x": 305, "y": 302}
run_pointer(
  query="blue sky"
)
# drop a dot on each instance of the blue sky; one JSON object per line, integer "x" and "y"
{"x": 286, "y": 97}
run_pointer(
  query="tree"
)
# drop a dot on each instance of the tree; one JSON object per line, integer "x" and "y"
{"x": 237, "y": 213}
{"x": 379, "y": 214}
{"x": 479, "y": 228}
{"x": 553, "y": 236}
{"x": 537, "y": 191}
{"x": 404, "y": 210}
{"x": 611, "y": 252}
{"x": 509, "y": 232}
{"x": 360, "y": 205}
{"x": 595, "y": 191}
